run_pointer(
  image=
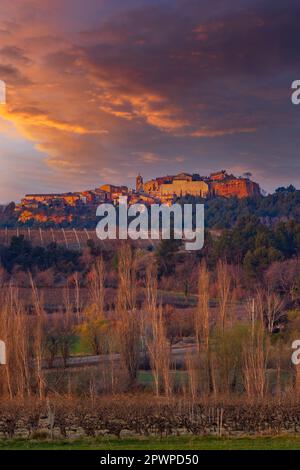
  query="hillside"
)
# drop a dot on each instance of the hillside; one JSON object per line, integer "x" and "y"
{"x": 221, "y": 212}
{"x": 282, "y": 205}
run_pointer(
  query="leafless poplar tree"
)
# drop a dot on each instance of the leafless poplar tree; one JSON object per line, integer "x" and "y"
{"x": 97, "y": 286}
{"x": 129, "y": 325}
{"x": 223, "y": 287}
{"x": 256, "y": 356}
{"x": 202, "y": 310}
{"x": 14, "y": 331}
{"x": 156, "y": 339}
{"x": 39, "y": 317}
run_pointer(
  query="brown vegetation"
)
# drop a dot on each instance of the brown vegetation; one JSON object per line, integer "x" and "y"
{"x": 217, "y": 356}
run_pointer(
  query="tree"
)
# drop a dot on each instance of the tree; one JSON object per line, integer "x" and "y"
{"x": 128, "y": 323}
{"x": 166, "y": 256}
{"x": 270, "y": 306}
{"x": 256, "y": 351}
{"x": 157, "y": 342}
{"x": 284, "y": 277}
{"x": 93, "y": 329}
{"x": 223, "y": 288}
{"x": 202, "y": 311}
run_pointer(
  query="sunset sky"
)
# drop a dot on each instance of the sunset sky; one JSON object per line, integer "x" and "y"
{"x": 99, "y": 90}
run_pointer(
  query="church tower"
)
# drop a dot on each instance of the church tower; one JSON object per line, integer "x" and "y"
{"x": 139, "y": 183}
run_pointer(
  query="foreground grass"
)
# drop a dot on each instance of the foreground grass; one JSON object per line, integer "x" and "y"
{"x": 169, "y": 443}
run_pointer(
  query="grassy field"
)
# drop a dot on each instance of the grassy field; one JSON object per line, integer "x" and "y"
{"x": 171, "y": 443}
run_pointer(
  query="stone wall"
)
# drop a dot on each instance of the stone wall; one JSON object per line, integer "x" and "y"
{"x": 183, "y": 188}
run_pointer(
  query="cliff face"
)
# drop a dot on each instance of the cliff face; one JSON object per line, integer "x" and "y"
{"x": 235, "y": 187}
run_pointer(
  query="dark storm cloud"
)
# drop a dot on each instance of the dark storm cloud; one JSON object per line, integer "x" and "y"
{"x": 216, "y": 62}
{"x": 158, "y": 86}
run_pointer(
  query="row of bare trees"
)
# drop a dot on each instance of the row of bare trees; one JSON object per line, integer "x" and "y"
{"x": 231, "y": 355}
{"x": 227, "y": 356}
{"x": 23, "y": 336}
{"x": 35, "y": 339}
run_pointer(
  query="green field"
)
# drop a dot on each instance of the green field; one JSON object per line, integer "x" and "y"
{"x": 170, "y": 443}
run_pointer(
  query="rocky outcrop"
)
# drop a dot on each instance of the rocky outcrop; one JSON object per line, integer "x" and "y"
{"x": 235, "y": 187}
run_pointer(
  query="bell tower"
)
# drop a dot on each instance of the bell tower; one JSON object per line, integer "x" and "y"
{"x": 139, "y": 183}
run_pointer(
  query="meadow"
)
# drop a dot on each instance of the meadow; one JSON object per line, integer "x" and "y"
{"x": 171, "y": 443}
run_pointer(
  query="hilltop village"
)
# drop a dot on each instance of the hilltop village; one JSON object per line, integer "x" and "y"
{"x": 65, "y": 207}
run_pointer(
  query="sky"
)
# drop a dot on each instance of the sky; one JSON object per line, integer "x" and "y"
{"x": 100, "y": 90}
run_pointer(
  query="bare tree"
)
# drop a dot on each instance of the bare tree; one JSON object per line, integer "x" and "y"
{"x": 14, "y": 331}
{"x": 160, "y": 353}
{"x": 78, "y": 304}
{"x": 66, "y": 325}
{"x": 38, "y": 337}
{"x": 156, "y": 338}
{"x": 129, "y": 327}
{"x": 191, "y": 363}
{"x": 256, "y": 356}
{"x": 202, "y": 310}
{"x": 270, "y": 306}
{"x": 97, "y": 285}
{"x": 284, "y": 276}
{"x": 223, "y": 287}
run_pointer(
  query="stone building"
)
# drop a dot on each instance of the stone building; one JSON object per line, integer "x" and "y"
{"x": 182, "y": 187}
{"x": 70, "y": 199}
{"x": 217, "y": 184}
{"x": 153, "y": 186}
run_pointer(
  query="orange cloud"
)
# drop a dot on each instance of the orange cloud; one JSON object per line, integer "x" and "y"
{"x": 153, "y": 109}
{"x": 92, "y": 92}
{"x": 25, "y": 121}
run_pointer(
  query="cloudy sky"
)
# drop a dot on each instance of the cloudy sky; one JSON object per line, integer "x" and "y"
{"x": 99, "y": 90}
